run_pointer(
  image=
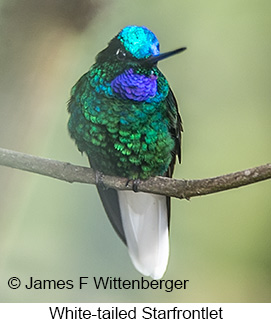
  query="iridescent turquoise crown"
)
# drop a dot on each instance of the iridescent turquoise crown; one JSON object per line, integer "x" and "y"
{"x": 139, "y": 41}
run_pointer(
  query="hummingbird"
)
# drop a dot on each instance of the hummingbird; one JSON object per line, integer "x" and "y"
{"x": 124, "y": 117}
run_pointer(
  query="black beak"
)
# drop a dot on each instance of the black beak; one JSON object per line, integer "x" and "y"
{"x": 155, "y": 59}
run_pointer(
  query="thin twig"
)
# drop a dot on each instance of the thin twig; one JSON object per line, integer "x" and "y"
{"x": 159, "y": 185}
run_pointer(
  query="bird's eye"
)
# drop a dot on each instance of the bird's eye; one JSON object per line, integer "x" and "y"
{"x": 120, "y": 54}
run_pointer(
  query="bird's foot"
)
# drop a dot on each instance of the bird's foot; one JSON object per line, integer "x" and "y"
{"x": 187, "y": 198}
{"x": 99, "y": 179}
{"x": 135, "y": 183}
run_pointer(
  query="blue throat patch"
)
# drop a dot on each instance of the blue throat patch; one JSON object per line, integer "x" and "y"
{"x": 132, "y": 86}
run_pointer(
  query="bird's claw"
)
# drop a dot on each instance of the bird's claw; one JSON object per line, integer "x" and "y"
{"x": 99, "y": 179}
{"x": 135, "y": 183}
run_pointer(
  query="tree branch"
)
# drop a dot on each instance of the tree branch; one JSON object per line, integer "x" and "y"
{"x": 159, "y": 185}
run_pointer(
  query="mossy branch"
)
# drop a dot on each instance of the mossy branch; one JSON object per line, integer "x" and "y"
{"x": 159, "y": 185}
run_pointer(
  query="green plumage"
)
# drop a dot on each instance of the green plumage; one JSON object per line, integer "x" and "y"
{"x": 122, "y": 137}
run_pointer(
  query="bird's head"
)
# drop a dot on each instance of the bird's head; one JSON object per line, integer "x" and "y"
{"x": 134, "y": 45}
{"x": 129, "y": 61}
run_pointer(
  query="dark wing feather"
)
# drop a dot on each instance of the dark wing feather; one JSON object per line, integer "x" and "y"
{"x": 111, "y": 205}
{"x": 110, "y": 200}
{"x": 176, "y": 129}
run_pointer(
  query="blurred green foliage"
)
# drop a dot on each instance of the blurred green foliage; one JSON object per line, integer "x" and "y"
{"x": 53, "y": 230}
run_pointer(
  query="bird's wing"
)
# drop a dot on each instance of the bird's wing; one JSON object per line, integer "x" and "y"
{"x": 176, "y": 129}
{"x": 110, "y": 200}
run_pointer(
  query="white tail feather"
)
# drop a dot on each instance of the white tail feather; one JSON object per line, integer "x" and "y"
{"x": 145, "y": 224}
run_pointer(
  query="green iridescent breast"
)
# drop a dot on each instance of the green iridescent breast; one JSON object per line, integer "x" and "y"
{"x": 121, "y": 137}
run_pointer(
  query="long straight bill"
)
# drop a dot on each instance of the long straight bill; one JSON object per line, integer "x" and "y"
{"x": 155, "y": 59}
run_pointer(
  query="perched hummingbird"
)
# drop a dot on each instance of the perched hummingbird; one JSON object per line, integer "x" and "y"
{"x": 124, "y": 116}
